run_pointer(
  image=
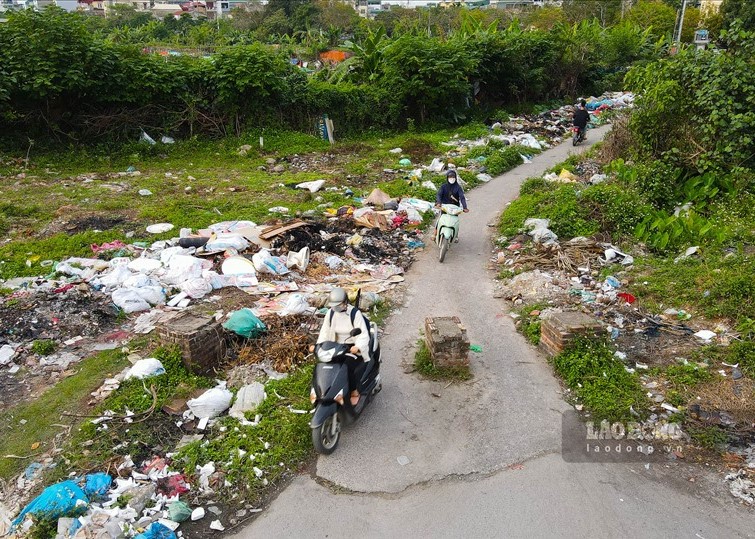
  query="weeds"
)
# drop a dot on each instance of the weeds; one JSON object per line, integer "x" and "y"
{"x": 607, "y": 390}
{"x": 43, "y": 347}
{"x": 530, "y": 322}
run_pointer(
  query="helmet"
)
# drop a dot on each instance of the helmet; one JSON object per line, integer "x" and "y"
{"x": 451, "y": 174}
{"x": 336, "y": 297}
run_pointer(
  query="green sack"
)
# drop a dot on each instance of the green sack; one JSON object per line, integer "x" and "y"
{"x": 179, "y": 511}
{"x": 243, "y": 322}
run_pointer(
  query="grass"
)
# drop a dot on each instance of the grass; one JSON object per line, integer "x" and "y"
{"x": 424, "y": 364}
{"x": 43, "y": 347}
{"x": 42, "y": 414}
{"x": 138, "y": 439}
{"x": 529, "y": 324}
{"x": 600, "y": 381}
{"x": 277, "y": 446}
{"x": 708, "y": 437}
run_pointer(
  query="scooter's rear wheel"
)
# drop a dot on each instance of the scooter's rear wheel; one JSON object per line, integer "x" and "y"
{"x": 443, "y": 248}
{"x": 325, "y": 437}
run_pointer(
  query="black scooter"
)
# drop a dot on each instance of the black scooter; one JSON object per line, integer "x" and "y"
{"x": 331, "y": 392}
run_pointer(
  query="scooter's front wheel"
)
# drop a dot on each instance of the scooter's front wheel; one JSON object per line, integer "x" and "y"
{"x": 325, "y": 437}
{"x": 443, "y": 248}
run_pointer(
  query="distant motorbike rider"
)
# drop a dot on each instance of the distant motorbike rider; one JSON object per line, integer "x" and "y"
{"x": 451, "y": 192}
{"x": 581, "y": 117}
{"x": 340, "y": 320}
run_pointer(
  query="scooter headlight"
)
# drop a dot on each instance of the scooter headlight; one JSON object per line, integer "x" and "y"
{"x": 312, "y": 395}
{"x": 339, "y": 398}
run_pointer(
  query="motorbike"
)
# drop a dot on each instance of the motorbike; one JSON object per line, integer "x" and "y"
{"x": 330, "y": 393}
{"x": 579, "y": 135}
{"x": 447, "y": 229}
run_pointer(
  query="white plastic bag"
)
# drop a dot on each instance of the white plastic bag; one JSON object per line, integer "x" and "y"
{"x": 115, "y": 278}
{"x": 145, "y": 368}
{"x": 183, "y": 268}
{"x": 299, "y": 259}
{"x": 247, "y": 400}
{"x": 227, "y": 240}
{"x": 144, "y": 265}
{"x": 154, "y": 295}
{"x": 312, "y": 187}
{"x": 211, "y": 403}
{"x": 129, "y": 300}
{"x": 295, "y": 304}
{"x": 196, "y": 288}
{"x": 264, "y": 262}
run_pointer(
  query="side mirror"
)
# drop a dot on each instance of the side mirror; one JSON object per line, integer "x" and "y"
{"x": 356, "y": 331}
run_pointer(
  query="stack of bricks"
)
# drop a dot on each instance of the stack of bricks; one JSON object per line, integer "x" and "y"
{"x": 200, "y": 338}
{"x": 447, "y": 341}
{"x": 558, "y": 329}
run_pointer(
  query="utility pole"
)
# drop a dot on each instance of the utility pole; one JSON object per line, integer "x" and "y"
{"x": 678, "y": 39}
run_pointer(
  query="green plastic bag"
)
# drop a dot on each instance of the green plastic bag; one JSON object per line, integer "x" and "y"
{"x": 244, "y": 322}
{"x": 179, "y": 511}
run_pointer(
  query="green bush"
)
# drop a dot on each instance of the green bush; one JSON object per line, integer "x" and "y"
{"x": 617, "y": 209}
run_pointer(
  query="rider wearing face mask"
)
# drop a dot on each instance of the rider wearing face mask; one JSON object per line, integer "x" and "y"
{"x": 339, "y": 321}
{"x": 451, "y": 192}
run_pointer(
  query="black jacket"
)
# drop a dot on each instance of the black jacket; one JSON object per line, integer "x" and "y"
{"x": 581, "y": 117}
{"x": 451, "y": 193}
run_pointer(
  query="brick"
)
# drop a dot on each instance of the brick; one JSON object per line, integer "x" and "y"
{"x": 200, "y": 338}
{"x": 558, "y": 329}
{"x": 447, "y": 341}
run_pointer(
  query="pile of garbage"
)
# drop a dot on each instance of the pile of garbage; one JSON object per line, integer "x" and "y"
{"x": 144, "y": 502}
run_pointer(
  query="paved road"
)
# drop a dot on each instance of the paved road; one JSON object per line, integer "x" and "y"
{"x": 484, "y": 456}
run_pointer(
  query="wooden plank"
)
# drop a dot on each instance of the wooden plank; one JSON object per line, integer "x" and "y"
{"x": 276, "y": 230}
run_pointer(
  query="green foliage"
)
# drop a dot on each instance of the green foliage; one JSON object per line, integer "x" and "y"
{"x": 281, "y": 437}
{"x": 654, "y": 15}
{"x": 698, "y": 107}
{"x": 87, "y": 79}
{"x": 561, "y": 204}
{"x": 617, "y": 209}
{"x": 423, "y": 362}
{"x": 743, "y": 352}
{"x": 709, "y": 437}
{"x": 718, "y": 285}
{"x": 742, "y": 10}
{"x": 530, "y": 324}
{"x": 687, "y": 376}
{"x": 600, "y": 381}
{"x": 43, "y": 347}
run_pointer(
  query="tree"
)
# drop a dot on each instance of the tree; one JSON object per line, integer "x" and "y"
{"x": 743, "y": 10}
{"x": 606, "y": 11}
{"x": 275, "y": 24}
{"x": 655, "y": 15}
{"x": 339, "y": 15}
{"x": 544, "y": 18}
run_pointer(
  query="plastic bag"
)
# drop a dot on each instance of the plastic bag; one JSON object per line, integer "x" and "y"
{"x": 378, "y": 198}
{"x": 411, "y": 212}
{"x": 196, "y": 288}
{"x": 138, "y": 280}
{"x": 264, "y": 262}
{"x": 129, "y": 300}
{"x": 157, "y": 531}
{"x": 247, "y": 399}
{"x": 418, "y": 204}
{"x": 295, "y": 304}
{"x": 115, "y": 278}
{"x": 97, "y": 485}
{"x": 154, "y": 295}
{"x": 211, "y": 403}
{"x": 144, "y": 265}
{"x": 59, "y": 500}
{"x": 144, "y": 137}
{"x": 182, "y": 268}
{"x": 245, "y": 323}
{"x": 179, "y": 511}
{"x": 312, "y": 187}
{"x": 227, "y": 240}
{"x": 144, "y": 368}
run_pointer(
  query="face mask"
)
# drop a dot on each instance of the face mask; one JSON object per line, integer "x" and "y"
{"x": 339, "y": 308}
{"x": 451, "y": 180}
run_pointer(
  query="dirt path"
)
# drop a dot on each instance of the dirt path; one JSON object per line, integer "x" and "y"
{"x": 484, "y": 455}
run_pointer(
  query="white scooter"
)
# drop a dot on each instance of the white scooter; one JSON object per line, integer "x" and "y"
{"x": 447, "y": 229}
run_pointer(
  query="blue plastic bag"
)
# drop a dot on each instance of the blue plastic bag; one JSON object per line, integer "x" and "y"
{"x": 157, "y": 531}
{"x": 60, "y": 500}
{"x": 97, "y": 485}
